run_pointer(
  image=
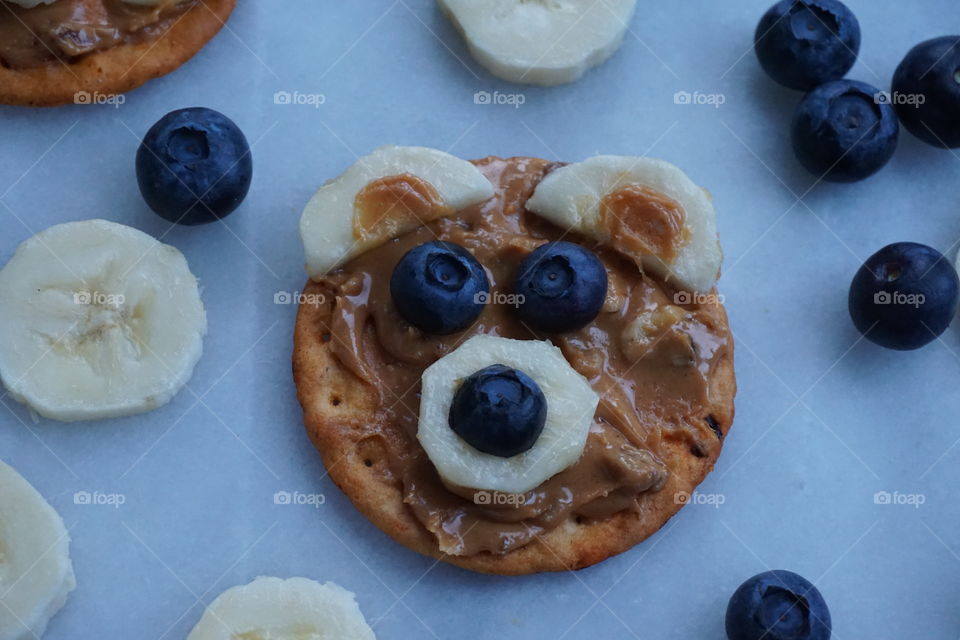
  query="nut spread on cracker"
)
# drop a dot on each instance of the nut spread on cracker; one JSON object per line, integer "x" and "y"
{"x": 55, "y": 52}
{"x": 512, "y": 364}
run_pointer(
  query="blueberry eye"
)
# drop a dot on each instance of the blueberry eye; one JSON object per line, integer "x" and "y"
{"x": 560, "y": 287}
{"x": 499, "y": 410}
{"x": 447, "y": 271}
{"x": 439, "y": 287}
{"x": 553, "y": 277}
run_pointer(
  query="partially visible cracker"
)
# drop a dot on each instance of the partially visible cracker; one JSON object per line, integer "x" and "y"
{"x": 120, "y": 68}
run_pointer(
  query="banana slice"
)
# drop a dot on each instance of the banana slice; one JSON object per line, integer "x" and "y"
{"x": 542, "y": 42}
{"x": 36, "y": 574}
{"x": 97, "y": 320}
{"x": 571, "y": 403}
{"x": 384, "y": 195}
{"x": 647, "y": 209}
{"x": 276, "y": 609}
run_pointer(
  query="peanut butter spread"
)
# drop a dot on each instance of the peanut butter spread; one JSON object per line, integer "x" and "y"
{"x": 68, "y": 29}
{"x": 647, "y": 358}
{"x": 641, "y": 220}
{"x": 385, "y": 206}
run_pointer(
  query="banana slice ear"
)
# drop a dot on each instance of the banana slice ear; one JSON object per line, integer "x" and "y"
{"x": 647, "y": 209}
{"x": 384, "y": 195}
{"x": 541, "y": 42}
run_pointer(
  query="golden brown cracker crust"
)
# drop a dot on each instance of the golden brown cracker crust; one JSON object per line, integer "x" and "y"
{"x": 338, "y": 407}
{"x": 118, "y": 69}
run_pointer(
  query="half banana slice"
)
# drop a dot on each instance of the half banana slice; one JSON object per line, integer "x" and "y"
{"x": 36, "y": 574}
{"x": 384, "y": 195}
{"x": 542, "y": 42}
{"x": 98, "y": 320}
{"x": 276, "y": 609}
{"x": 647, "y": 209}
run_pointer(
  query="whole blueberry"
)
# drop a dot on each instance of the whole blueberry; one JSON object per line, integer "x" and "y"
{"x": 803, "y": 43}
{"x": 499, "y": 410}
{"x": 777, "y": 605}
{"x": 904, "y": 296}
{"x": 844, "y": 131}
{"x": 194, "y": 166}
{"x": 439, "y": 287}
{"x": 926, "y": 91}
{"x": 561, "y": 286}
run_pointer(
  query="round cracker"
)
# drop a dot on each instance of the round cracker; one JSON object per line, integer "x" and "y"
{"x": 338, "y": 407}
{"x": 120, "y": 68}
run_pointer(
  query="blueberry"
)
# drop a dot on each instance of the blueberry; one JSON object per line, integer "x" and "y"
{"x": 777, "y": 605}
{"x": 904, "y": 296}
{"x": 844, "y": 131}
{"x": 499, "y": 410}
{"x": 803, "y": 43}
{"x": 561, "y": 286}
{"x": 926, "y": 86}
{"x": 194, "y": 166}
{"x": 439, "y": 287}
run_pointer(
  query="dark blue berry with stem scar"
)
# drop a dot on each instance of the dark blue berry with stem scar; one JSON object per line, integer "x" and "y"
{"x": 194, "y": 166}
{"x": 803, "y": 43}
{"x": 926, "y": 91}
{"x": 499, "y": 410}
{"x": 561, "y": 286}
{"x": 844, "y": 131}
{"x": 778, "y": 605}
{"x": 904, "y": 296}
{"x": 439, "y": 287}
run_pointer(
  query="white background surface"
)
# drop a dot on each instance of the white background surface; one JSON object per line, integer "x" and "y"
{"x": 823, "y": 420}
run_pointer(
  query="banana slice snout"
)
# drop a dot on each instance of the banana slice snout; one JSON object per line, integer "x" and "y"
{"x": 277, "y": 609}
{"x": 99, "y": 320}
{"x": 571, "y": 404}
{"x": 384, "y": 195}
{"x": 36, "y": 574}
{"x": 647, "y": 209}
{"x": 541, "y": 42}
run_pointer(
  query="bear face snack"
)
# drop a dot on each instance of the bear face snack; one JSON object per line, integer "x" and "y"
{"x": 514, "y": 365}
{"x": 55, "y": 52}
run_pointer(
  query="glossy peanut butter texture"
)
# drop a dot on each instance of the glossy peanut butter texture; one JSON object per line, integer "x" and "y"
{"x": 68, "y": 29}
{"x": 653, "y": 385}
